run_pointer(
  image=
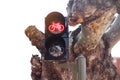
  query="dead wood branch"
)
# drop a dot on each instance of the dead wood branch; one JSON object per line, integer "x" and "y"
{"x": 36, "y": 37}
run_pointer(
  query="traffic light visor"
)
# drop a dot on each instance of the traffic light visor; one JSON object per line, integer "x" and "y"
{"x": 55, "y": 23}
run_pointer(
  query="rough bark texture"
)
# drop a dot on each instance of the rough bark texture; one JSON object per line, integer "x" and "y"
{"x": 36, "y": 68}
{"x": 94, "y": 39}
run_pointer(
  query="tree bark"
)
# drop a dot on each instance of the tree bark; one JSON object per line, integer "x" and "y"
{"x": 94, "y": 39}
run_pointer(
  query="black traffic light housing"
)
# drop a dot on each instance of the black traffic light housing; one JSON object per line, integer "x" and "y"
{"x": 56, "y": 37}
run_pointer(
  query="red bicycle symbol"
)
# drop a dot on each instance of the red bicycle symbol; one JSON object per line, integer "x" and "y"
{"x": 56, "y": 27}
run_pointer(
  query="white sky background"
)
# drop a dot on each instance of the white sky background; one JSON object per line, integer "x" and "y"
{"x": 16, "y": 49}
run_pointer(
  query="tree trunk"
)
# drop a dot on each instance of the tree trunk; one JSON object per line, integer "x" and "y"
{"x": 94, "y": 39}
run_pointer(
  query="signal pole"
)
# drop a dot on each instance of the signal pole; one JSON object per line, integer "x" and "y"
{"x": 81, "y": 63}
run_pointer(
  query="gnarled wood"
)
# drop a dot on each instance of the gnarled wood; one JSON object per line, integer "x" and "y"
{"x": 90, "y": 39}
{"x": 92, "y": 32}
{"x": 49, "y": 70}
{"x": 36, "y": 67}
{"x": 94, "y": 18}
{"x": 36, "y": 37}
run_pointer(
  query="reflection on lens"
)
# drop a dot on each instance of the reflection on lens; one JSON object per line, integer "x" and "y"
{"x": 56, "y": 50}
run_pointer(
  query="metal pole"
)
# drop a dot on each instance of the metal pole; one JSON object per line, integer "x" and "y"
{"x": 81, "y": 63}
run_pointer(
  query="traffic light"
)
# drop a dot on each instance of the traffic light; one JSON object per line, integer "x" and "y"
{"x": 56, "y": 37}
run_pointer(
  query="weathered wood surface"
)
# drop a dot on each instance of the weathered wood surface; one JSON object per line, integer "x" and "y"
{"x": 94, "y": 39}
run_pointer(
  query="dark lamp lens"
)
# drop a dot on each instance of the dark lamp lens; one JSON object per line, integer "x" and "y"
{"x": 56, "y": 50}
{"x": 56, "y": 27}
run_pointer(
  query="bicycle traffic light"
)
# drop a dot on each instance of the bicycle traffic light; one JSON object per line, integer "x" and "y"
{"x": 56, "y": 37}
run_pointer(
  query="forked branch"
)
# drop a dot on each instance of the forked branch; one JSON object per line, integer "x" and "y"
{"x": 92, "y": 32}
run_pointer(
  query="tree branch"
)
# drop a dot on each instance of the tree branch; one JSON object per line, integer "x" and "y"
{"x": 36, "y": 67}
{"x": 36, "y": 37}
{"x": 87, "y": 37}
{"x": 49, "y": 71}
{"x": 113, "y": 35}
{"x": 92, "y": 32}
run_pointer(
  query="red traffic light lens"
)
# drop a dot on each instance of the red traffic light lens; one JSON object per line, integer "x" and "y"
{"x": 56, "y": 27}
